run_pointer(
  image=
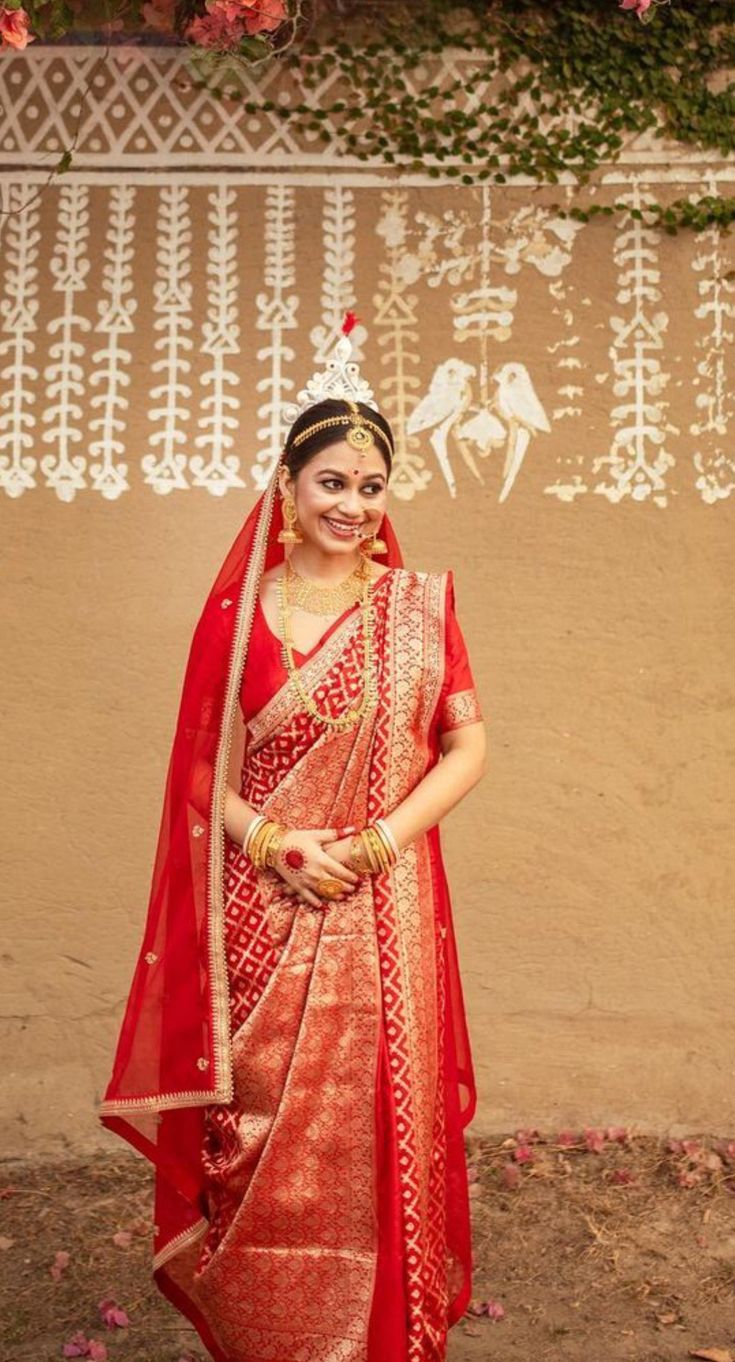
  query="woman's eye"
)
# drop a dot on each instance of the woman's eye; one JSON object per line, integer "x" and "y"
{"x": 334, "y": 483}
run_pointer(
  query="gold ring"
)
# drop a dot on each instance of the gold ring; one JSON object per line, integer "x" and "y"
{"x": 329, "y": 889}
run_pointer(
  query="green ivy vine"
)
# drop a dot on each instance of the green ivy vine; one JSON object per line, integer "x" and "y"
{"x": 618, "y": 76}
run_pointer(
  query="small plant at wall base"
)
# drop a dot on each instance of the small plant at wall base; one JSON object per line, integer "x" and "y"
{"x": 548, "y": 91}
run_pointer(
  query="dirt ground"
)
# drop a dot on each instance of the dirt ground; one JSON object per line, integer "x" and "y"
{"x": 593, "y": 1246}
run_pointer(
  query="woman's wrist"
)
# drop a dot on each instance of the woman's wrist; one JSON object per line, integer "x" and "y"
{"x": 373, "y": 849}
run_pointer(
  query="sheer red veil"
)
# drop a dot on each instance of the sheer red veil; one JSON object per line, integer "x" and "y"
{"x": 173, "y": 1051}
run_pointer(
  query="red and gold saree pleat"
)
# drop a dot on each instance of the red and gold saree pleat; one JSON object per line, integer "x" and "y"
{"x": 326, "y": 1238}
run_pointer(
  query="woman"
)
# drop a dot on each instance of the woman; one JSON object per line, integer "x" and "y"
{"x": 294, "y": 1056}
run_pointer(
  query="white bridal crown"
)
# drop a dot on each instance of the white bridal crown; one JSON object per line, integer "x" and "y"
{"x": 341, "y": 378}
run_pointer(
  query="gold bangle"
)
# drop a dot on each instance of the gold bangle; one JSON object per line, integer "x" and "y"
{"x": 356, "y": 858}
{"x": 388, "y": 836}
{"x": 369, "y": 853}
{"x": 274, "y": 845}
{"x": 380, "y": 849}
{"x": 257, "y": 845}
{"x": 377, "y": 850}
{"x": 273, "y": 841}
{"x": 353, "y": 854}
{"x": 253, "y": 825}
{"x": 388, "y": 849}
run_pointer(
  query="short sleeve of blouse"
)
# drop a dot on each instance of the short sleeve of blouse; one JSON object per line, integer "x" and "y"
{"x": 458, "y": 700}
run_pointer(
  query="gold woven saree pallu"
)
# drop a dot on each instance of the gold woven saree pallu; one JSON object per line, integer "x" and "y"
{"x": 286, "y": 1271}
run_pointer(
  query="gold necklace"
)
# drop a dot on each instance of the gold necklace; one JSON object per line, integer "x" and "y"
{"x": 369, "y": 680}
{"x": 324, "y": 600}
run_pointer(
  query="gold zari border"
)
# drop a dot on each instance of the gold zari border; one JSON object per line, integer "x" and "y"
{"x": 462, "y": 707}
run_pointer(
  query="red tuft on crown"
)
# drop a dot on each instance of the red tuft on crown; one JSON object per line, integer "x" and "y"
{"x": 339, "y": 378}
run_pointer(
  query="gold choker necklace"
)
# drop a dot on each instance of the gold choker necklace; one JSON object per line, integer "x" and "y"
{"x": 325, "y": 600}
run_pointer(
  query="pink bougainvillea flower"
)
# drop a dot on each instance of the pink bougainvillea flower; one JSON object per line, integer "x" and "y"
{"x": 568, "y": 1137}
{"x": 77, "y": 1346}
{"x": 523, "y": 1154}
{"x": 14, "y": 28}
{"x": 264, "y": 16}
{"x": 61, "y": 1260}
{"x": 97, "y": 1351}
{"x": 640, "y": 6}
{"x": 226, "y": 21}
{"x": 215, "y": 29}
{"x": 112, "y": 1314}
{"x": 122, "y": 1238}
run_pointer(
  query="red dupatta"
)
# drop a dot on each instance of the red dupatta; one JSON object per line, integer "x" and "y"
{"x": 173, "y": 1050}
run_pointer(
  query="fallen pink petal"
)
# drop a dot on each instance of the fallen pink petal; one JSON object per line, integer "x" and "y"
{"x": 77, "y": 1346}
{"x": 594, "y": 1140}
{"x": 622, "y": 1176}
{"x": 61, "y": 1261}
{"x": 525, "y": 1136}
{"x": 113, "y": 1314}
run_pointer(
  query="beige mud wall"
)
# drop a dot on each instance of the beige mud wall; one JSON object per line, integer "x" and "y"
{"x": 160, "y": 305}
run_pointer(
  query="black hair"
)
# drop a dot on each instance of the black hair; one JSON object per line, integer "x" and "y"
{"x": 295, "y": 459}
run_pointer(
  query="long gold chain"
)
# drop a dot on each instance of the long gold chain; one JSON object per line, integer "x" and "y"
{"x": 369, "y": 680}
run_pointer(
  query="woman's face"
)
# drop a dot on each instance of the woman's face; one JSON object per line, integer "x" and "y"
{"x": 340, "y": 496}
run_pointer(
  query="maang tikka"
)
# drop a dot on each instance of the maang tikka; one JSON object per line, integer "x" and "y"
{"x": 341, "y": 379}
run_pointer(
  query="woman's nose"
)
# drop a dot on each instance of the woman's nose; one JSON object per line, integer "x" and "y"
{"x": 350, "y": 503}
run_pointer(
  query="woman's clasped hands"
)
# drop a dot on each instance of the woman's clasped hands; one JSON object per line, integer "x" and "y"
{"x": 312, "y": 864}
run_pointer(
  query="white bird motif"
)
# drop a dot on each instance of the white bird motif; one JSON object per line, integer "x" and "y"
{"x": 448, "y": 397}
{"x": 516, "y": 402}
{"x": 510, "y": 418}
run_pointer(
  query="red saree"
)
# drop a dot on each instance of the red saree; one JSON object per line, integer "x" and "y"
{"x": 311, "y": 1198}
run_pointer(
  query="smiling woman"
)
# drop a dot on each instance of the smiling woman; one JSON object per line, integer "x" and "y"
{"x": 295, "y": 1056}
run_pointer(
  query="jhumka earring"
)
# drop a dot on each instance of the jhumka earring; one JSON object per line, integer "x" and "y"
{"x": 289, "y": 534}
{"x": 371, "y": 544}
